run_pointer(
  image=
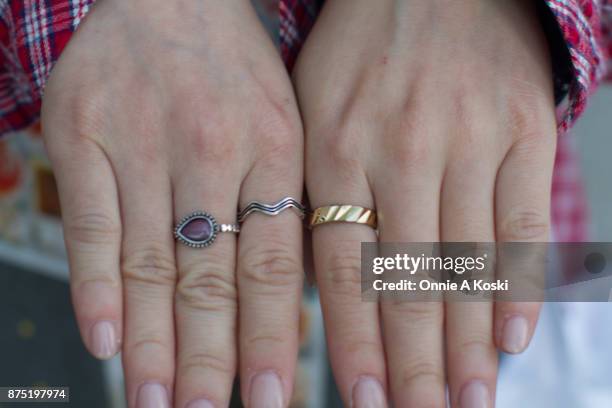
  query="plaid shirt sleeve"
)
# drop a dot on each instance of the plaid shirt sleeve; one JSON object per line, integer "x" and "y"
{"x": 33, "y": 34}
{"x": 585, "y": 26}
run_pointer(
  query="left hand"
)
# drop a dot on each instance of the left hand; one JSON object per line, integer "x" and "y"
{"x": 442, "y": 114}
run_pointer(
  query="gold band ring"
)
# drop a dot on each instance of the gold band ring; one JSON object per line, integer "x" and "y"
{"x": 343, "y": 213}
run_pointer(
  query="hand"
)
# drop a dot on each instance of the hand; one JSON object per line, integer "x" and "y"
{"x": 155, "y": 110}
{"x": 441, "y": 115}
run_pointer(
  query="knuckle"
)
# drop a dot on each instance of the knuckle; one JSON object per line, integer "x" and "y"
{"x": 463, "y": 103}
{"x": 533, "y": 282}
{"x": 268, "y": 341}
{"x": 272, "y": 267}
{"x": 524, "y": 225}
{"x": 146, "y": 344}
{"x": 362, "y": 347}
{"x": 94, "y": 281}
{"x": 420, "y": 371}
{"x": 207, "y": 362}
{"x": 476, "y": 343}
{"x": 279, "y": 147}
{"x": 207, "y": 287}
{"x": 341, "y": 148}
{"x": 278, "y": 155}
{"x": 408, "y": 149}
{"x": 88, "y": 112}
{"x": 92, "y": 228}
{"x": 215, "y": 149}
{"x": 151, "y": 264}
{"x": 419, "y": 313}
{"x": 343, "y": 274}
{"x": 213, "y": 141}
{"x": 278, "y": 124}
{"x": 527, "y": 121}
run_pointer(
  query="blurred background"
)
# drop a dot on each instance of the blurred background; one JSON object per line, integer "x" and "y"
{"x": 569, "y": 361}
{"x": 568, "y": 365}
{"x": 593, "y": 137}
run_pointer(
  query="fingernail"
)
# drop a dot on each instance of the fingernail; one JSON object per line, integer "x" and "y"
{"x": 475, "y": 395}
{"x": 515, "y": 334}
{"x": 368, "y": 393}
{"x": 201, "y": 403}
{"x": 152, "y": 396}
{"x": 104, "y": 340}
{"x": 266, "y": 391}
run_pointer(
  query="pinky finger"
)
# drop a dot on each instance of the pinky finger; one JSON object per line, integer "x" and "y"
{"x": 523, "y": 215}
{"x": 92, "y": 231}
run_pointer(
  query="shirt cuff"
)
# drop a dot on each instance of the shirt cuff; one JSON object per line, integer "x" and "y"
{"x": 33, "y": 35}
{"x": 578, "y": 58}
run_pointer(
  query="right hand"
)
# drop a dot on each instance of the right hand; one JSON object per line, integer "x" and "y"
{"x": 157, "y": 109}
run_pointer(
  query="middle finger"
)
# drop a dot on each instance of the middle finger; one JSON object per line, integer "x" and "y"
{"x": 270, "y": 276}
{"x": 206, "y": 298}
{"x": 413, "y": 329}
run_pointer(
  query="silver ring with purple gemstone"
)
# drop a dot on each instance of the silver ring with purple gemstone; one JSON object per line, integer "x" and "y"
{"x": 200, "y": 229}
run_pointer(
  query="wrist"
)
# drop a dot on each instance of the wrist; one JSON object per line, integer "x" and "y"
{"x": 189, "y": 16}
{"x": 193, "y": 26}
{"x": 436, "y": 17}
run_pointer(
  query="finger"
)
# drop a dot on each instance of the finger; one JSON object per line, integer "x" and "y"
{"x": 351, "y": 324}
{"x": 92, "y": 230}
{"x": 270, "y": 277}
{"x": 523, "y": 214}
{"x": 206, "y": 298}
{"x": 149, "y": 275}
{"x": 413, "y": 329}
{"x": 467, "y": 216}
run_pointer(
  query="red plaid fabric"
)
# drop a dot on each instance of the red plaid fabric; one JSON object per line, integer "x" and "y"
{"x": 569, "y": 210}
{"x": 296, "y": 20}
{"x": 581, "y": 24}
{"x": 33, "y": 34}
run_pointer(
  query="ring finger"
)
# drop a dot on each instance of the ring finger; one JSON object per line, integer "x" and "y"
{"x": 467, "y": 215}
{"x": 413, "y": 329}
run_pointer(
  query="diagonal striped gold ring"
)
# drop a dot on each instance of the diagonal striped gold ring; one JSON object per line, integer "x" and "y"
{"x": 343, "y": 213}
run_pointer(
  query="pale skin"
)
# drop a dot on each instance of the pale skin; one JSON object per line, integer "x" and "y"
{"x": 438, "y": 114}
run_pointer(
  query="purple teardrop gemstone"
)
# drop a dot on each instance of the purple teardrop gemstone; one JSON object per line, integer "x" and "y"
{"x": 198, "y": 230}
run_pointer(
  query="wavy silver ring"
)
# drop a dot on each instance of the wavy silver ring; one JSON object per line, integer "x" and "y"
{"x": 272, "y": 209}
